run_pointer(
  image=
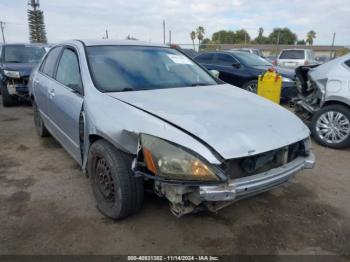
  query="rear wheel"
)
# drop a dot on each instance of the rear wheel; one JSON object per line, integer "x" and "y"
{"x": 331, "y": 126}
{"x": 7, "y": 99}
{"x": 117, "y": 191}
{"x": 251, "y": 86}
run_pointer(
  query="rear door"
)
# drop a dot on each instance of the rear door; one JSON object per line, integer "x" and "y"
{"x": 43, "y": 82}
{"x": 66, "y": 100}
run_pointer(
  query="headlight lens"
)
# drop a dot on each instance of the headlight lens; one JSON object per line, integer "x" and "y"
{"x": 286, "y": 79}
{"x": 12, "y": 74}
{"x": 167, "y": 160}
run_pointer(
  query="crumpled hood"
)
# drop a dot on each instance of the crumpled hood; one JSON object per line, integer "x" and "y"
{"x": 24, "y": 69}
{"x": 232, "y": 121}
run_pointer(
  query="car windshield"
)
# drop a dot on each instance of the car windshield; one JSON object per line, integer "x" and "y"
{"x": 132, "y": 68}
{"x": 292, "y": 54}
{"x": 23, "y": 53}
{"x": 251, "y": 59}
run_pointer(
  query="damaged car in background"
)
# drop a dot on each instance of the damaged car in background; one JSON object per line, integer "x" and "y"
{"x": 140, "y": 116}
{"x": 16, "y": 64}
{"x": 324, "y": 101}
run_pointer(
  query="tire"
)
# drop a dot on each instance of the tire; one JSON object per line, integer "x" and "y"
{"x": 117, "y": 191}
{"x": 331, "y": 126}
{"x": 7, "y": 99}
{"x": 251, "y": 86}
{"x": 38, "y": 122}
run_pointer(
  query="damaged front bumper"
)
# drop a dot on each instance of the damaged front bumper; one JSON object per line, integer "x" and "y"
{"x": 247, "y": 186}
{"x": 186, "y": 199}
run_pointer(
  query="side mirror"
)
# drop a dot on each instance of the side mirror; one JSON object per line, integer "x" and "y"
{"x": 236, "y": 64}
{"x": 214, "y": 73}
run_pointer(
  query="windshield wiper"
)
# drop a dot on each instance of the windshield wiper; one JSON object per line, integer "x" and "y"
{"x": 14, "y": 61}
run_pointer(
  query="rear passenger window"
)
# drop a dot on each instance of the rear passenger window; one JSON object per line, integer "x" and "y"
{"x": 347, "y": 63}
{"x": 48, "y": 66}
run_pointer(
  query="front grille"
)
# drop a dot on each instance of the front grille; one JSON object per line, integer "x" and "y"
{"x": 252, "y": 165}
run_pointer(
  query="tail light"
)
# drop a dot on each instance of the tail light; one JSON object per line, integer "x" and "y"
{"x": 306, "y": 62}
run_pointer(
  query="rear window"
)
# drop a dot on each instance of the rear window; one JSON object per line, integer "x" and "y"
{"x": 292, "y": 54}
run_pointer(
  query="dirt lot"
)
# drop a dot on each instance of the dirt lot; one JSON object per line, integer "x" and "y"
{"x": 47, "y": 207}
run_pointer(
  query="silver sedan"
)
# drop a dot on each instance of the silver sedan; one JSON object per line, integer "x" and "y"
{"x": 139, "y": 115}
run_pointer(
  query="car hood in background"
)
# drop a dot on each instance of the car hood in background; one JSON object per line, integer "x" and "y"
{"x": 23, "y": 69}
{"x": 285, "y": 72}
{"x": 232, "y": 121}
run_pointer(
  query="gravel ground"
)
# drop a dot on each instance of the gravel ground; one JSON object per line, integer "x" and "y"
{"x": 47, "y": 207}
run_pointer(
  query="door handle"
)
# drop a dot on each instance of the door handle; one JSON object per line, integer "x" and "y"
{"x": 51, "y": 93}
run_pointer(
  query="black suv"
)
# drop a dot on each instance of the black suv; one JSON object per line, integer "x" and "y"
{"x": 16, "y": 64}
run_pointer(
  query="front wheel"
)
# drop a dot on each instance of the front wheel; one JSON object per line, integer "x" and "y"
{"x": 117, "y": 191}
{"x": 331, "y": 126}
{"x": 251, "y": 86}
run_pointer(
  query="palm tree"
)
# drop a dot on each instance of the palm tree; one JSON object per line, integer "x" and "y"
{"x": 311, "y": 35}
{"x": 193, "y": 37}
{"x": 200, "y": 34}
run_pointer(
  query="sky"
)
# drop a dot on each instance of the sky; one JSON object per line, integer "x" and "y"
{"x": 142, "y": 19}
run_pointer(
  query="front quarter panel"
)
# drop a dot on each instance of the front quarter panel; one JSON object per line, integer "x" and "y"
{"x": 121, "y": 124}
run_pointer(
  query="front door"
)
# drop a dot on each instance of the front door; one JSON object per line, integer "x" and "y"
{"x": 65, "y": 102}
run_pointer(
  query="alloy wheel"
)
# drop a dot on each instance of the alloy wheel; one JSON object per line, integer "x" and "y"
{"x": 333, "y": 127}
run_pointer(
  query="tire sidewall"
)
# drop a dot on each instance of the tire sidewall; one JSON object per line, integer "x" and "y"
{"x": 110, "y": 209}
{"x": 337, "y": 108}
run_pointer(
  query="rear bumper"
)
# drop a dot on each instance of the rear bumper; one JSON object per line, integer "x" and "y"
{"x": 252, "y": 185}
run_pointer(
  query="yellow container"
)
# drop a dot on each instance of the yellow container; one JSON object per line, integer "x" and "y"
{"x": 270, "y": 86}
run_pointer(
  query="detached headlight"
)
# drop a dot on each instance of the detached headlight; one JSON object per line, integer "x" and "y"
{"x": 288, "y": 80}
{"x": 12, "y": 74}
{"x": 167, "y": 160}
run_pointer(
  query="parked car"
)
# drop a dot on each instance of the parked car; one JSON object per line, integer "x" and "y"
{"x": 324, "y": 101}
{"x": 243, "y": 69}
{"x": 137, "y": 115}
{"x": 16, "y": 64}
{"x": 293, "y": 58}
{"x": 189, "y": 52}
{"x": 254, "y": 51}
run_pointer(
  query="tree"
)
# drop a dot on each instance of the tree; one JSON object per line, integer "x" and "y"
{"x": 200, "y": 31}
{"x": 261, "y": 39}
{"x": 193, "y": 37}
{"x": 283, "y": 36}
{"x": 37, "y": 31}
{"x": 311, "y": 35}
{"x": 301, "y": 42}
{"x": 230, "y": 37}
{"x": 242, "y": 36}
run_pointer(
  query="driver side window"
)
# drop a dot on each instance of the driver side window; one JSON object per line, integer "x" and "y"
{"x": 68, "y": 72}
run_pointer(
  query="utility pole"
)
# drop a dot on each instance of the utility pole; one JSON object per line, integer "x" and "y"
{"x": 169, "y": 37}
{"x": 2, "y": 31}
{"x": 106, "y": 33}
{"x": 332, "y": 46}
{"x": 164, "y": 32}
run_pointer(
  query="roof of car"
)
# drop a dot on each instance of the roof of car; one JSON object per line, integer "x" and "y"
{"x": 120, "y": 42}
